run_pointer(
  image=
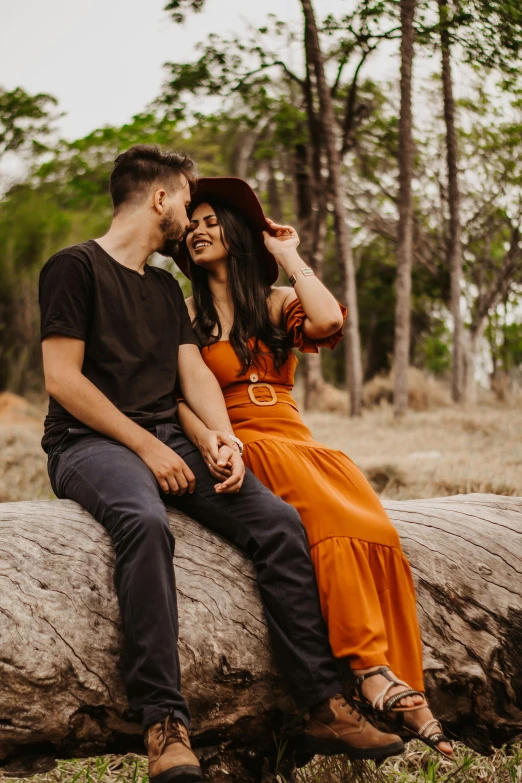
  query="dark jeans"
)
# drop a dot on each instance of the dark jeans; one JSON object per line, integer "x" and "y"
{"x": 120, "y": 491}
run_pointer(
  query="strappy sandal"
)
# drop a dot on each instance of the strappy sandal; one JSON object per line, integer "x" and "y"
{"x": 431, "y": 740}
{"x": 386, "y": 706}
{"x": 378, "y": 704}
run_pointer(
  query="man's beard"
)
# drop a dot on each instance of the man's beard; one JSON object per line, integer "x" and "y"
{"x": 173, "y": 235}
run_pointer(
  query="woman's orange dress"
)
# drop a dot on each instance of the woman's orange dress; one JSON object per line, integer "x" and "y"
{"x": 364, "y": 580}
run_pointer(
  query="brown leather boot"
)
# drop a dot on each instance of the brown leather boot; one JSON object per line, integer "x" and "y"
{"x": 171, "y": 759}
{"x": 336, "y": 727}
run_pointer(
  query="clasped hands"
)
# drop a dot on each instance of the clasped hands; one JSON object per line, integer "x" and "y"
{"x": 174, "y": 476}
{"x": 223, "y": 460}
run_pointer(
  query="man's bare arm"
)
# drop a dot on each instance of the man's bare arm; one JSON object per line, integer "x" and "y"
{"x": 201, "y": 390}
{"x": 64, "y": 381}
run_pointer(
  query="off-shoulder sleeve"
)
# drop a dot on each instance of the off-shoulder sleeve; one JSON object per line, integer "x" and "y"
{"x": 294, "y": 318}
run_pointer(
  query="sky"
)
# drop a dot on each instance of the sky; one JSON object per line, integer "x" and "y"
{"x": 103, "y": 59}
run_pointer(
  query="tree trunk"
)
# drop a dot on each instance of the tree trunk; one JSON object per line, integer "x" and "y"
{"x": 314, "y": 382}
{"x": 312, "y": 250}
{"x": 455, "y": 242}
{"x": 471, "y": 347}
{"x": 405, "y": 245}
{"x": 62, "y": 694}
{"x": 274, "y": 198}
{"x": 242, "y": 153}
{"x": 342, "y": 230}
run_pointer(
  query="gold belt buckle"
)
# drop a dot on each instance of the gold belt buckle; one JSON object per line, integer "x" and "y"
{"x": 260, "y": 386}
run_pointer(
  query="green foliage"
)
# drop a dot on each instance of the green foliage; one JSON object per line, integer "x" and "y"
{"x": 504, "y": 337}
{"x": 65, "y": 201}
{"x": 24, "y": 120}
{"x": 488, "y": 32}
{"x": 433, "y": 351}
{"x": 179, "y": 8}
{"x": 243, "y": 70}
{"x": 261, "y": 126}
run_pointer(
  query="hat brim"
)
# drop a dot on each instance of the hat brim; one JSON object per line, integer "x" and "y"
{"x": 238, "y": 193}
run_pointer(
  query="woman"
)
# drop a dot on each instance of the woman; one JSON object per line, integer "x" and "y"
{"x": 247, "y": 328}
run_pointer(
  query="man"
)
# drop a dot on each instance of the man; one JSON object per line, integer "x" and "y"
{"x": 116, "y": 337}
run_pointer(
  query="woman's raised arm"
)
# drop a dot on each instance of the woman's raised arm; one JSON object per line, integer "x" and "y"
{"x": 323, "y": 313}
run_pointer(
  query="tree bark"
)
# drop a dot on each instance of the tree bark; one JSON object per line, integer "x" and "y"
{"x": 455, "y": 231}
{"x": 62, "y": 694}
{"x": 312, "y": 250}
{"x": 342, "y": 230}
{"x": 405, "y": 244}
{"x": 274, "y": 197}
{"x": 470, "y": 354}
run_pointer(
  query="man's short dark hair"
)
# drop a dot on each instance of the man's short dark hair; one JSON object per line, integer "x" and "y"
{"x": 143, "y": 165}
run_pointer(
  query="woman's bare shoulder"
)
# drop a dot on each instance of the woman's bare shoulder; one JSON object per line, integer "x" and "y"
{"x": 279, "y": 299}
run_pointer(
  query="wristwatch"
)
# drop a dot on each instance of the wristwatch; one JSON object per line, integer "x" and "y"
{"x": 306, "y": 270}
{"x": 239, "y": 444}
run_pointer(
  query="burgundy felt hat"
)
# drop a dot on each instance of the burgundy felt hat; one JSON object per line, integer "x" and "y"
{"x": 238, "y": 193}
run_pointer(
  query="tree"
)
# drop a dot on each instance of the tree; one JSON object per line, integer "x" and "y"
{"x": 504, "y": 336}
{"x": 492, "y": 228}
{"x": 241, "y": 68}
{"x": 24, "y": 120}
{"x": 455, "y": 242}
{"x": 342, "y": 231}
{"x": 490, "y": 35}
{"x": 63, "y": 201}
{"x": 495, "y": 272}
{"x": 405, "y": 246}
{"x": 62, "y": 693}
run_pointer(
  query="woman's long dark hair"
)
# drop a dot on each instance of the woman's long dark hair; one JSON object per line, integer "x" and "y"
{"x": 249, "y": 290}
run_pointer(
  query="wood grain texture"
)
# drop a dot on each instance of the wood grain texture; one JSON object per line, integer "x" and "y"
{"x": 61, "y": 691}
{"x": 466, "y": 558}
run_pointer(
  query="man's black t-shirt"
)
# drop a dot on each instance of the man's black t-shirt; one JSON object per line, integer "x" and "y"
{"x": 132, "y": 326}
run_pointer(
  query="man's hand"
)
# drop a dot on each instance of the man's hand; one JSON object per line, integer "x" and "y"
{"x": 172, "y": 474}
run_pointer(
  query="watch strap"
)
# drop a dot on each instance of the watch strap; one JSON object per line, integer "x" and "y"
{"x": 307, "y": 271}
{"x": 238, "y": 442}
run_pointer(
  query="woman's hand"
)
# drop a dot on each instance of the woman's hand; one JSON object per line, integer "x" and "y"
{"x": 223, "y": 460}
{"x": 216, "y": 452}
{"x": 237, "y": 474}
{"x": 284, "y": 240}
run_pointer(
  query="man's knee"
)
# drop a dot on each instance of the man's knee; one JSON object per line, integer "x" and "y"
{"x": 287, "y": 530}
{"x": 142, "y": 522}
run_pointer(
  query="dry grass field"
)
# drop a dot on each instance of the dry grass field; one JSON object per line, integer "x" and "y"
{"x": 439, "y": 451}
{"x": 447, "y": 451}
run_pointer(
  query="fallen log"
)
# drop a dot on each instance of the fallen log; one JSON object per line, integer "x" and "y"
{"x": 61, "y": 692}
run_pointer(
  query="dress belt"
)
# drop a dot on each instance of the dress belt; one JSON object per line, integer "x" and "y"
{"x": 243, "y": 393}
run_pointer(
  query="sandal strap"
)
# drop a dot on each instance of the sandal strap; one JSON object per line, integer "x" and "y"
{"x": 360, "y": 678}
{"x": 392, "y": 701}
{"x": 383, "y": 670}
{"x": 378, "y": 702}
{"x": 433, "y": 723}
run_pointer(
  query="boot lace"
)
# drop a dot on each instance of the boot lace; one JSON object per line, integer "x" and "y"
{"x": 170, "y": 730}
{"x": 346, "y": 706}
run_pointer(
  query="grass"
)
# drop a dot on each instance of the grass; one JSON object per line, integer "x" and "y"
{"x": 421, "y": 765}
{"x": 448, "y": 451}
{"x": 434, "y": 452}
{"x": 417, "y": 765}
{"x": 101, "y": 769}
